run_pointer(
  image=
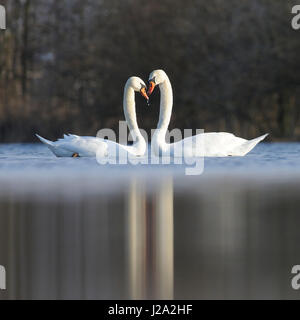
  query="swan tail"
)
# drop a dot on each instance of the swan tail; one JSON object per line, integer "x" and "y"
{"x": 45, "y": 141}
{"x": 59, "y": 152}
{"x": 247, "y": 146}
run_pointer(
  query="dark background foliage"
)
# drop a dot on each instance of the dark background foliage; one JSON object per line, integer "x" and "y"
{"x": 234, "y": 65}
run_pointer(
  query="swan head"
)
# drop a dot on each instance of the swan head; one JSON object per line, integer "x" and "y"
{"x": 138, "y": 85}
{"x": 156, "y": 77}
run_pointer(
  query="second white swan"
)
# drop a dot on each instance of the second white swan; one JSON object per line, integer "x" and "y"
{"x": 76, "y": 146}
{"x": 212, "y": 144}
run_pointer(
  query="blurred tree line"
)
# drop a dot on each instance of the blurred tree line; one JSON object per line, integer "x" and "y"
{"x": 234, "y": 65}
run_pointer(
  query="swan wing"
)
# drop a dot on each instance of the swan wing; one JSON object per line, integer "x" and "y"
{"x": 70, "y": 144}
{"x": 217, "y": 144}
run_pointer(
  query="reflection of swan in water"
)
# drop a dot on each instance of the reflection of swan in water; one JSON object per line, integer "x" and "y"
{"x": 164, "y": 240}
{"x": 74, "y": 146}
{"x": 150, "y": 230}
{"x": 215, "y": 144}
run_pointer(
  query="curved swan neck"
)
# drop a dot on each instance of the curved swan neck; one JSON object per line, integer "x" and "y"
{"x": 130, "y": 113}
{"x": 166, "y": 104}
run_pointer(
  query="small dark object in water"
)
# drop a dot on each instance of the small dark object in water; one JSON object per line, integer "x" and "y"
{"x": 75, "y": 155}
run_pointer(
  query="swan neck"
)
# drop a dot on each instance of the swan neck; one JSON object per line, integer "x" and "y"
{"x": 130, "y": 113}
{"x": 166, "y": 104}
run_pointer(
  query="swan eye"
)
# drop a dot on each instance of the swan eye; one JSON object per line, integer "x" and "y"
{"x": 153, "y": 80}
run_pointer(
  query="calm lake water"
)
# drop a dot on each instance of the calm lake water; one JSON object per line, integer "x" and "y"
{"x": 37, "y": 157}
{"x": 71, "y": 228}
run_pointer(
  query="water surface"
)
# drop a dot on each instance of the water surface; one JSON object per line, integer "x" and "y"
{"x": 70, "y": 228}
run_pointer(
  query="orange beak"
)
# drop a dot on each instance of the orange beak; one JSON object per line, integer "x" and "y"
{"x": 144, "y": 94}
{"x": 151, "y": 87}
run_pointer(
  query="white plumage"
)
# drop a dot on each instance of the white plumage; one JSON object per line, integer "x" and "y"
{"x": 71, "y": 144}
{"x": 212, "y": 144}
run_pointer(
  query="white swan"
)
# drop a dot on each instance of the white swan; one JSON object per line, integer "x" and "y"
{"x": 213, "y": 144}
{"x": 76, "y": 146}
